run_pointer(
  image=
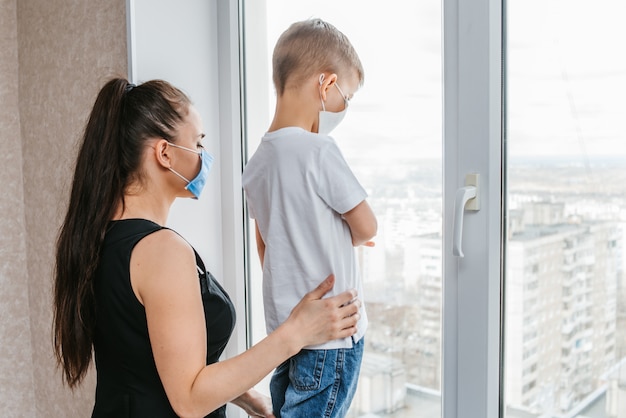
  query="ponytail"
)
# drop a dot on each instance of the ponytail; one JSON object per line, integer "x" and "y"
{"x": 122, "y": 118}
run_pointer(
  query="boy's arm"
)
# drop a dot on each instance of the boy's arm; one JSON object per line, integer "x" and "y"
{"x": 362, "y": 223}
{"x": 260, "y": 244}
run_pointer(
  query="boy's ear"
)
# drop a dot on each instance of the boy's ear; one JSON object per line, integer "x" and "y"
{"x": 326, "y": 82}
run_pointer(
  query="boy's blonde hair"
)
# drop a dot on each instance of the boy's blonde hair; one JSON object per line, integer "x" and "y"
{"x": 309, "y": 47}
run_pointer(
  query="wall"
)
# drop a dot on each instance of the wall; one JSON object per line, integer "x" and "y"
{"x": 54, "y": 58}
{"x": 16, "y": 374}
{"x": 186, "y": 56}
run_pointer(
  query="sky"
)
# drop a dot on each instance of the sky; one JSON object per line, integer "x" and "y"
{"x": 565, "y": 75}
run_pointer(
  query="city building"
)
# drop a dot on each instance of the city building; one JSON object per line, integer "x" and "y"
{"x": 561, "y": 297}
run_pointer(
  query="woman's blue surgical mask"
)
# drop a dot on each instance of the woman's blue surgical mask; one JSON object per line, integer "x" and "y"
{"x": 196, "y": 185}
{"x": 330, "y": 120}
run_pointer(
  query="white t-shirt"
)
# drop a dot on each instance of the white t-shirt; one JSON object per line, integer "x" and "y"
{"x": 298, "y": 185}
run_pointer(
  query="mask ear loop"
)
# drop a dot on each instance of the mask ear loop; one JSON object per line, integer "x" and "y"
{"x": 179, "y": 175}
{"x": 321, "y": 100}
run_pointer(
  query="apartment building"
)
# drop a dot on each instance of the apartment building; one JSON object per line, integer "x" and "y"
{"x": 562, "y": 295}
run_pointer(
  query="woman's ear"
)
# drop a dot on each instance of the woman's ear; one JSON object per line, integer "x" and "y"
{"x": 161, "y": 153}
{"x": 326, "y": 82}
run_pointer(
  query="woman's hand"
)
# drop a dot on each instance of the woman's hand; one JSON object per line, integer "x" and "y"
{"x": 255, "y": 404}
{"x": 315, "y": 320}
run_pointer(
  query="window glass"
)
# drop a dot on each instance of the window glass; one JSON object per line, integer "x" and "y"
{"x": 565, "y": 295}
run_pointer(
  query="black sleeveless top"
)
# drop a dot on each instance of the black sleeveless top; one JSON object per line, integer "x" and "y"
{"x": 128, "y": 385}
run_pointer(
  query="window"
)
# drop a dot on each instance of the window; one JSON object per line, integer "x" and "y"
{"x": 391, "y": 138}
{"x": 566, "y": 175}
{"x": 565, "y": 219}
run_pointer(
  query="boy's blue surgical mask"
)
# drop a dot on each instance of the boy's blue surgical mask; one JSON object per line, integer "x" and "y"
{"x": 329, "y": 120}
{"x": 196, "y": 185}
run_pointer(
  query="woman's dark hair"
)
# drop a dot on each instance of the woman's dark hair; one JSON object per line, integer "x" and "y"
{"x": 123, "y": 117}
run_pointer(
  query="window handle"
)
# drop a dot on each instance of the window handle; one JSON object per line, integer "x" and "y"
{"x": 466, "y": 198}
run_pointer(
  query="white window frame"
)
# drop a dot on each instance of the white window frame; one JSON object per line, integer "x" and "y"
{"x": 473, "y": 131}
{"x": 232, "y": 157}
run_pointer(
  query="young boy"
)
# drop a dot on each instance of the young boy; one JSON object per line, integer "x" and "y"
{"x": 310, "y": 210}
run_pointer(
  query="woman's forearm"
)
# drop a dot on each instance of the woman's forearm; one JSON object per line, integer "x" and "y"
{"x": 313, "y": 321}
{"x": 223, "y": 382}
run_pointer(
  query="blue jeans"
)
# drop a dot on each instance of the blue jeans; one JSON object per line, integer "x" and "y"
{"x": 317, "y": 383}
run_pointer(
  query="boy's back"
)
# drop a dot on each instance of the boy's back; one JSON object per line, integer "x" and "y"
{"x": 298, "y": 184}
{"x": 310, "y": 211}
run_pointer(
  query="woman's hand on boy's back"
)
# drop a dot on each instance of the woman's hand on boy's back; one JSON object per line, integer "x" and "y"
{"x": 315, "y": 320}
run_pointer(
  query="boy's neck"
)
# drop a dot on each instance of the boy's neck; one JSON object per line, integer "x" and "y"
{"x": 294, "y": 109}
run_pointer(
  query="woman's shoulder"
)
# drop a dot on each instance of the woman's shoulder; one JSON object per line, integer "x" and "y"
{"x": 162, "y": 245}
{"x": 162, "y": 263}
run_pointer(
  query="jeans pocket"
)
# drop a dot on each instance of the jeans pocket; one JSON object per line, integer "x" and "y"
{"x": 306, "y": 369}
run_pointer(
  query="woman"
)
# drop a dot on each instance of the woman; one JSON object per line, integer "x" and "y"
{"x": 137, "y": 293}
